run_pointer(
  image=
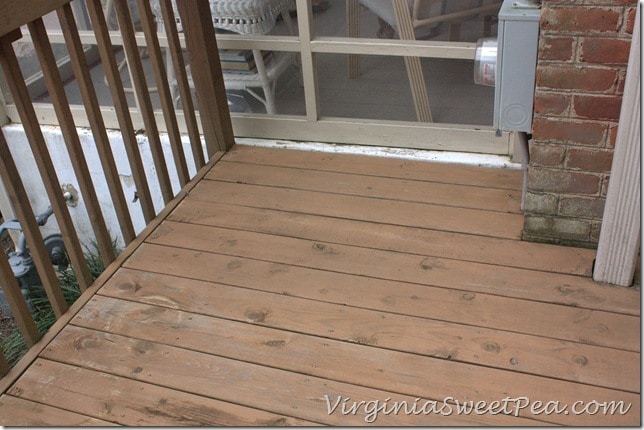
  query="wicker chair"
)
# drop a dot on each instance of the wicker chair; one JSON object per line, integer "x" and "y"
{"x": 247, "y": 17}
{"x": 428, "y": 15}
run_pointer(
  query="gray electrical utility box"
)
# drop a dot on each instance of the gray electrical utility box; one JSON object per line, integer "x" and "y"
{"x": 518, "y": 38}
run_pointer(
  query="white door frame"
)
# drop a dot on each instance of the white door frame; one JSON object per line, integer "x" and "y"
{"x": 313, "y": 126}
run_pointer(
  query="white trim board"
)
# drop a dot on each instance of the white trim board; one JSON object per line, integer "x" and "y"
{"x": 481, "y": 160}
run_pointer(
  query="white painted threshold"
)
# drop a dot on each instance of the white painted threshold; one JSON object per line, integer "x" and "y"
{"x": 480, "y": 160}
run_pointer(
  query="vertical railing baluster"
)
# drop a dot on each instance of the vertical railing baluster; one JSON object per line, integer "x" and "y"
{"x": 88, "y": 93}
{"x": 201, "y": 44}
{"x": 4, "y": 365}
{"x": 59, "y": 100}
{"x": 25, "y": 214}
{"x": 161, "y": 78}
{"x": 145, "y": 103}
{"x": 45, "y": 165}
{"x": 183, "y": 85}
{"x": 106, "y": 52}
{"x": 17, "y": 303}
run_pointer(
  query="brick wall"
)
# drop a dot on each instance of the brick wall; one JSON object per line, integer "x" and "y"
{"x": 583, "y": 53}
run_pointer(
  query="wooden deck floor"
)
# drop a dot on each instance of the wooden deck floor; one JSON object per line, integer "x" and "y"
{"x": 288, "y": 285}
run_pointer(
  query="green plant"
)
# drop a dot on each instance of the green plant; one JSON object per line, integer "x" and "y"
{"x": 13, "y": 345}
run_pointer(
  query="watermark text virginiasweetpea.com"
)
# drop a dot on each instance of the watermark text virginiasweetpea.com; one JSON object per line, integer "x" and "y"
{"x": 371, "y": 409}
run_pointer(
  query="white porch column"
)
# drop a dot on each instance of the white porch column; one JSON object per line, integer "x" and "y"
{"x": 619, "y": 240}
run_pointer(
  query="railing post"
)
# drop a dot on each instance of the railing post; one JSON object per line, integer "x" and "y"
{"x": 201, "y": 44}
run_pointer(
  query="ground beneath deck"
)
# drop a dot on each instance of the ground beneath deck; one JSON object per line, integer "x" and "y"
{"x": 294, "y": 287}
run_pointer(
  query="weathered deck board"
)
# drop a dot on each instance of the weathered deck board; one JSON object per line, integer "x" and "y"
{"x": 20, "y": 412}
{"x": 410, "y": 240}
{"x": 286, "y": 278}
{"x": 217, "y": 377}
{"x": 491, "y": 199}
{"x": 125, "y": 400}
{"x": 387, "y": 265}
{"x": 411, "y": 214}
{"x": 606, "y": 367}
{"x": 379, "y": 167}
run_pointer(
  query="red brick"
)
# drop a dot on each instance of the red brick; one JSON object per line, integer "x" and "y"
{"x": 581, "y": 19}
{"x": 612, "y": 136}
{"x": 589, "y": 160}
{"x": 582, "y": 207}
{"x": 630, "y": 21}
{"x": 551, "y": 103}
{"x": 563, "y": 181}
{"x": 597, "y": 107}
{"x": 567, "y": 131}
{"x": 621, "y": 82}
{"x": 557, "y": 230}
{"x": 547, "y": 155}
{"x": 555, "y": 48}
{"x": 605, "y": 50}
{"x": 568, "y": 77}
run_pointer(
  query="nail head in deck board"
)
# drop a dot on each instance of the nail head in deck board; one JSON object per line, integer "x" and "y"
{"x": 413, "y": 240}
{"x": 17, "y": 412}
{"x": 496, "y": 200}
{"x": 308, "y": 353}
{"x": 128, "y": 402}
{"x": 465, "y": 220}
{"x": 378, "y": 166}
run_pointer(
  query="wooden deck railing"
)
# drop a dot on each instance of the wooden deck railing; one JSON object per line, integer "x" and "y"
{"x": 216, "y": 128}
